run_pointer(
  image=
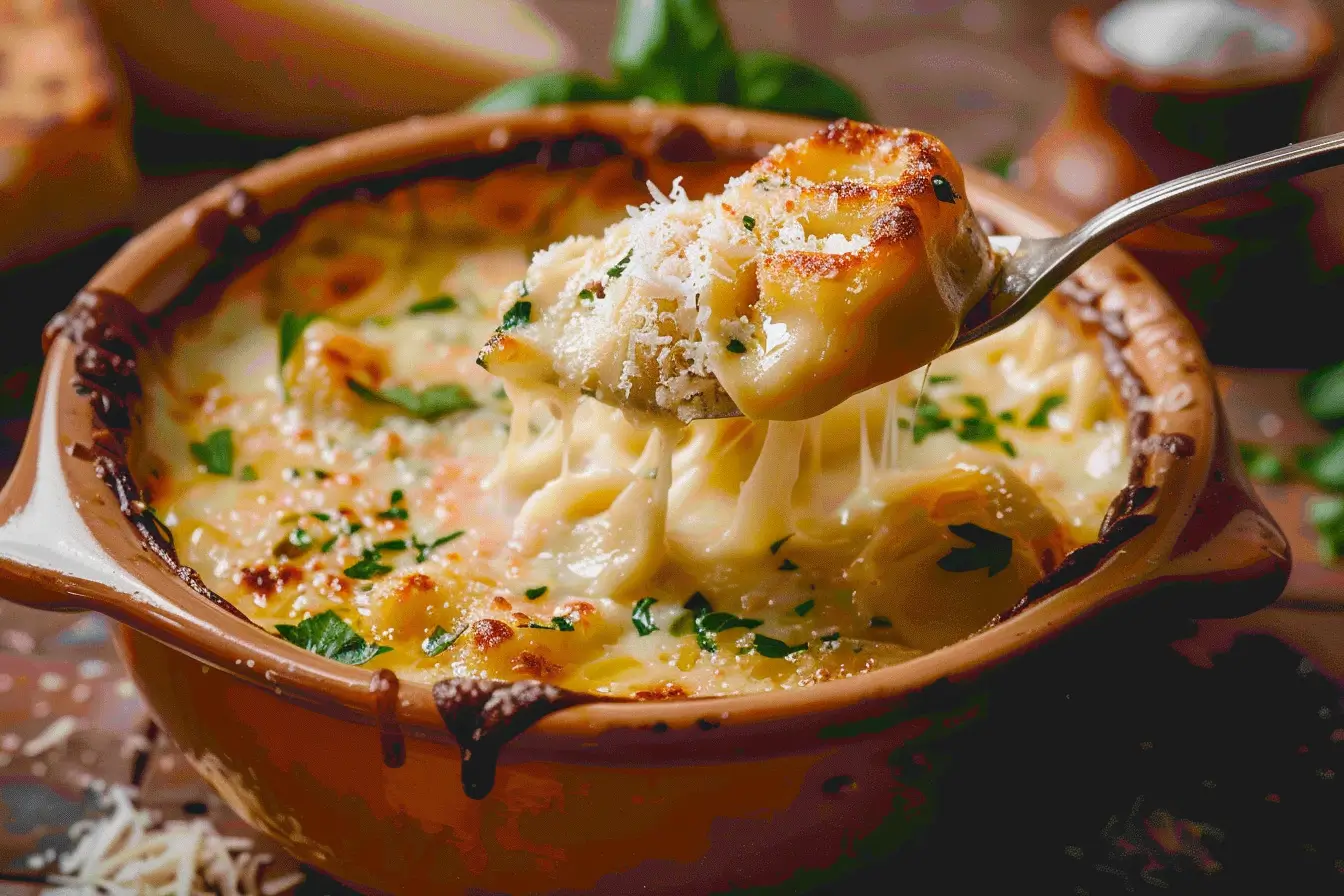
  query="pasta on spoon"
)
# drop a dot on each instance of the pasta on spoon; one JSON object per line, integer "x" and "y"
{"x": 835, "y": 264}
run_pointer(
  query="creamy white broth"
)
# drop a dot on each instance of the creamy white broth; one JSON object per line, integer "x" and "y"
{"x": 825, "y": 558}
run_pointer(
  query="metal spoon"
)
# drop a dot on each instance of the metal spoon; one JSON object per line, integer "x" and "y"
{"x": 1033, "y": 267}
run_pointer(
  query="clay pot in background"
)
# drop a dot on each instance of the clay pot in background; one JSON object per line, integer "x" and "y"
{"x": 1244, "y": 269}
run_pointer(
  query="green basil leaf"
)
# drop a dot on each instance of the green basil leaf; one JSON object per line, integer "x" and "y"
{"x": 989, "y": 550}
{"x": 1323, "y": 393}
{"x": 367, "y": 568}
{"x": 216, "y": 452}
{"x": 779, "y": 83}
{"x": 547, "y": 89}
{"x": 431, "y": 404}
{"x": 642, "y": 618}
{"x": 328, "y": 635}
{"x": 673, "y": 51}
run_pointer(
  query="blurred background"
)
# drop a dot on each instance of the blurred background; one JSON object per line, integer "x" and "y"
{"x": 112, "y": 112}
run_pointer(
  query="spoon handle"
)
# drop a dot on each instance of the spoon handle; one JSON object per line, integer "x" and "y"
{"x": 1193, "y": 190}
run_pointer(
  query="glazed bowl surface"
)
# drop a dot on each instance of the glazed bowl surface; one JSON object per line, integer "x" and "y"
{"x": 358, "y": 774}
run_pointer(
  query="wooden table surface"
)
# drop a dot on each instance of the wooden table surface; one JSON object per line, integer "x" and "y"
{"x": 1131, "y": 825}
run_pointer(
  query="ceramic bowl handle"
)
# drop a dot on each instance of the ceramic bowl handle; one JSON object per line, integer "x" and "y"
{"x": 49, "y": 559}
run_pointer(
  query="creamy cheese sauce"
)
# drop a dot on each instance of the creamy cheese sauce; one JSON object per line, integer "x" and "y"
{"x": 386, "y": 477}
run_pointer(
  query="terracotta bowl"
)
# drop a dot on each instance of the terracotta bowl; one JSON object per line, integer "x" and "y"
{"x": 677, "y": 796}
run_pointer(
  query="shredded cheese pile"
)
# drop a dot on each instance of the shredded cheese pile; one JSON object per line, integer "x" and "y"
{"x": 126, "y": 853}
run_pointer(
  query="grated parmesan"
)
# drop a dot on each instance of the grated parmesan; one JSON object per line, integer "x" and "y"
{"x": 126, "y": 853}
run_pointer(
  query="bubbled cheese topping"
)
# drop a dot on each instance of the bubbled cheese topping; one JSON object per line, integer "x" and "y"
{"x": 378, "y": 497}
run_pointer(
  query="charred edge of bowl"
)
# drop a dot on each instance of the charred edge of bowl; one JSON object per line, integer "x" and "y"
{"x": 105, "y": 331}
{"x": 485, "y": 715}
{"x": 1122, "y": 520}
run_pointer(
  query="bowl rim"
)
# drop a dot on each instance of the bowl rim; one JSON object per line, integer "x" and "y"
{"x": 152, "y": 598}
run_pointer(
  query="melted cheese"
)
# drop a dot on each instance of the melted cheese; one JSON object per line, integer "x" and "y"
{"x": 820, "y": 546}
{"x": 836, "y": 263}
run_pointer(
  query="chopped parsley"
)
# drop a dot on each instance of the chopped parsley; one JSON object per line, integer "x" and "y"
{"x": 439, "y": 640}
{"x": 940, "y": 379}
{"x": 989, "y": 550}
{"x": 735, "y": 346}
{"x": 291, "y": 331}
{"x": 879, "y": 622}
{"x": 216, "y": 452}
{"x": 1262, "y": 464}
{"x": 392, "y": 544}
{"x": 329, "y": 544}
{"x": 1041, "y": 419}
{"x": 318, "y": 515}
{"x": 534, "y": 593}
{"x": 977, "y": 429}
{"x": 805, "y": 607}
{"x": 429, "y": 405}
{"x": 642, "y": 618}
{"x": 295, "y": 544}
{"x": 775, "y": 649}
{"x": 248, "y": 473}
{"x": 928, "y": 420}
{"x": 558, "y": 624}
{"x": 749, "y": 222}
{"x": 396, "y": 509}
{"x": 977, "y": 404}
{"x": 788, "y": 565}
{"x": 619, "y": 267}
{"x": 586, "y": 295}
{"x": 776, "y": 545}
{"x": 328, "y": 635}
{"x": 520, "y": 313}
{"x": 369, "y": 566}
{"x": 424, "y": 549}
{"x": 435, "y": 305}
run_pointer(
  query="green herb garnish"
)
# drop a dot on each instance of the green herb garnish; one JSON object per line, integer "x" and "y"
{"x": 749, "y": 222}
{"x": 423, "y": 549}
{"x": 1041, "y": 419}
{"x": 248, "y": 473}
{"x": 735, "y": 346}
{"x": 616, "y": 270}
{"x": 396, "y": 509}
{"x": 642, "y": 618}
{"x": 928, "y": 419}
{"x": 586, "y": 295}
{"x": 776, "y": 545}
{"x": 368, "y": 566}
{"x": 328, "y": 635}
{"x": 433, "y": 306}
{"x": 295, "y": 544}
{"x": 392, "y": 544}
{"x": 941, "y": 379}
{"x": 516, "y": 316}
{"x": 788, "y": 565}
{"x": 429, "y": 405}
{"x": 879, "y": 622}
{"x": 439, "y": 640}
{"x": 990, "y": 550}
{"x": 805, "y": 607}
{"x": 216, "y": 452}
{"x": 775, "y": 649}
{"x": 534, "y": 593}
{"x": 558, "y": 624}
{"x": 291, "y": 331}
